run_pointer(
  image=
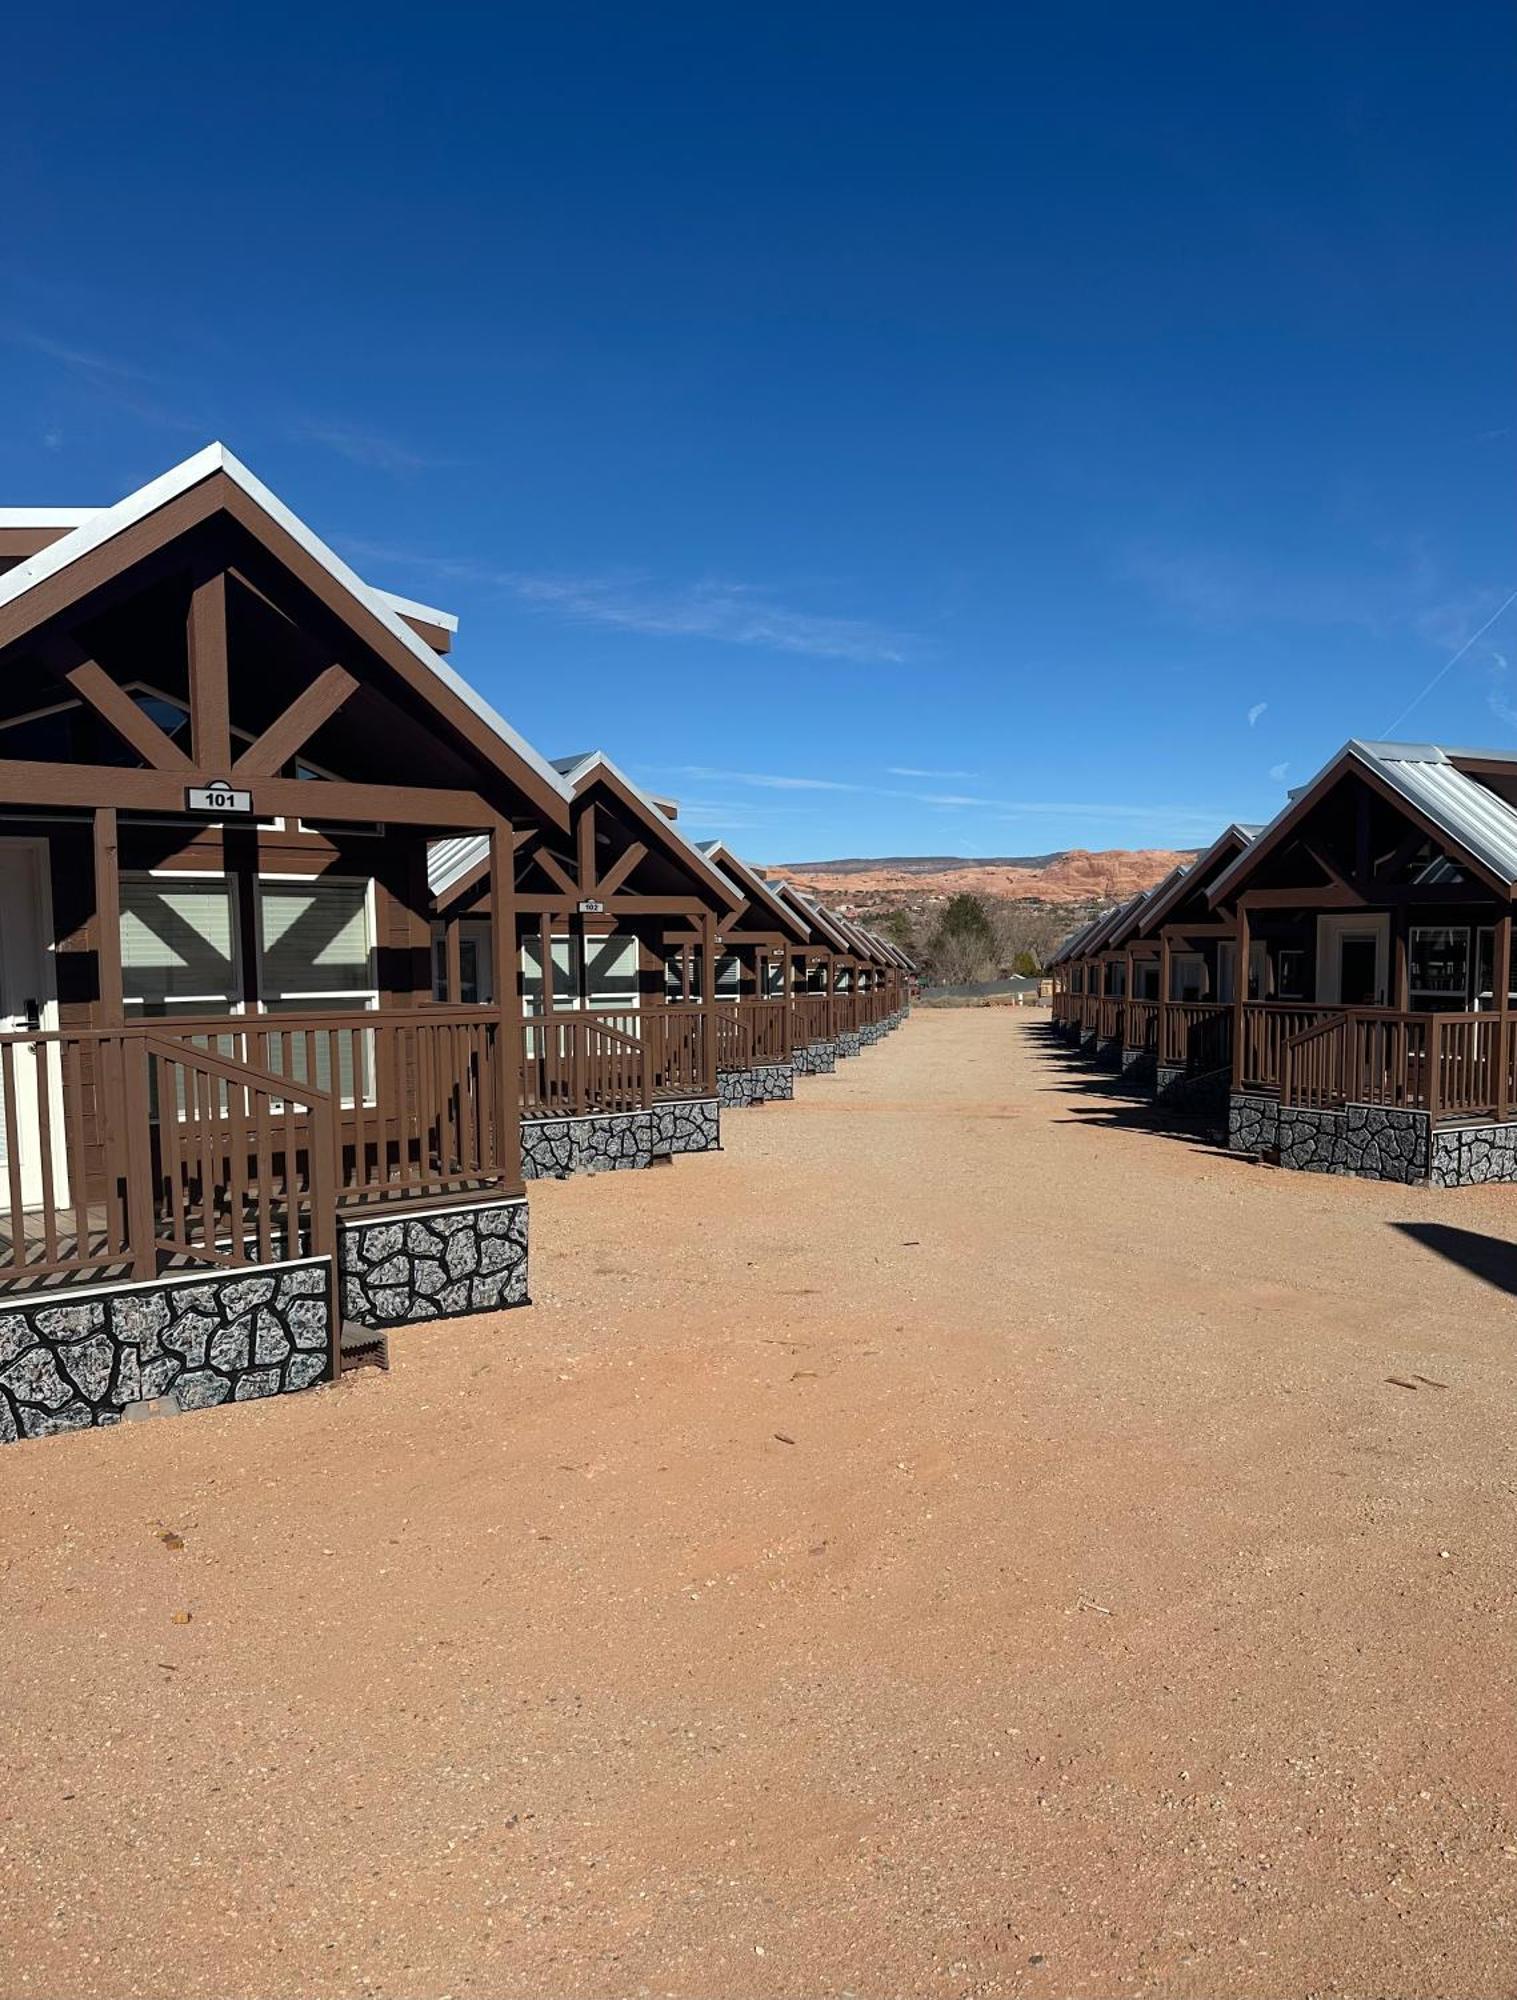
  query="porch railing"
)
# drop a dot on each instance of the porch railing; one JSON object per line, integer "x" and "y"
{"x": 1452, "y": 1066}
{"x": 1195, "y": 1035}
{"x": 237, "y": 1139}
{"x": 1267, "y": 1026}
{"x": 593, "y": 1060}
{"x": 810, "y": 1018}
{"x": 750, "y": 1032}
{"x": 1109, "y": 1017}
{"x": 1140, "y": 1028}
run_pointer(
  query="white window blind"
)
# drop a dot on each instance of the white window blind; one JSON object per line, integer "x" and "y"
{"x": 315, "y": 940}
{"x": 611, "y": 972}
{"x": 177, "y": 943}
{"x": 729, "y": 977}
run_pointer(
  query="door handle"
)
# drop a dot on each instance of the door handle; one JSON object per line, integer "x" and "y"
{"x": 33, "y": 1017}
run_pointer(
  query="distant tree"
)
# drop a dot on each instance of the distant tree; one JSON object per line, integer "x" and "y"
{"x": 1026, "y": 965}
{"x": 962, "y": 950}
{"x": 965, "y": 917}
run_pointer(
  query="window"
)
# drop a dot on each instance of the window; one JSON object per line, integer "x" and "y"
{"x": 565, "y": 974}
{"x": 1439, "y": 962}
{"x": 1290, "y": 974}
{"x": 774, "y": 979}
{"x": 602, "y": 975}
{"x": 178, "y": 945}
{"x": 1485, "y": 974}
{"x": 476, "y": 973}
{"x": 316, "y": 952}
{"x": 1187, "y": 974}
{"x": 611, "y": 973}
{"x": 729, "y": 976}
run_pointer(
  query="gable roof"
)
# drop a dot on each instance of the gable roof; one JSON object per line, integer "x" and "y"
{"x": 756, "y": 888}
{"x": 96, "y": 530}
{"x": 450, "y": 861}
{"x": 821, "y": 920}
{"x": 1194, "y": 875}
{"x": 1454, "y": 807}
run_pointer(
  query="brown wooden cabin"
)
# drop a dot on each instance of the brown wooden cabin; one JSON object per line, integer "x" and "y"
{"x": 628, "y": 913}
{"x": 1097, "y": 979}
{"x": 222, "y": 759}
{"x": 757, "y": 945}
{"x": 1374, "y": 915}
{"x": 825, "y": 978}
{"x": 1187, "y": 1016}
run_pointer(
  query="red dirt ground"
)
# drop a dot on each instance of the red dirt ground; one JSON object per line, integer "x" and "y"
{"x": 957, "y": 1541}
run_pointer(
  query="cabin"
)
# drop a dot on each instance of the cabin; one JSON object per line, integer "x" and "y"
{"x": 1193, "y": 981}
{"x": 1138, "y": 1045}
{"x": 1374, "y": 1030}
{"x": 754, "y": 1021}
{"x": 620, "y": 1043}
{"x": 239, "y": 1133}
{"x": 823, "y": 976}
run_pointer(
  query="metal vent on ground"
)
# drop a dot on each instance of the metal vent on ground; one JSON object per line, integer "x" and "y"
{"x": 362, "y": 1347}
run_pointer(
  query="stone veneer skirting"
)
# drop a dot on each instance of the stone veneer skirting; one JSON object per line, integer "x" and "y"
{"x": 554, "y": 1148}
{"x": 1089, "y": 1041}
{"x": 435, "y": 1265}
{"x": 766, "y": 1083}
{"x": 1374, "y": 1142}
{"x": 820, "y": 1059}
{"x": 1109, "y": 1052}
{"x": 72, "y": 1359}
{"x": 848, "y": 1043}
{"x": 1138, "y": 1065}
{"x": 687, "y": 1125}
{"x": 1207, "y": 1092}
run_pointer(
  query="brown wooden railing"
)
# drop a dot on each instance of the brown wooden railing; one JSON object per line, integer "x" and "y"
{"x": 1267, "y": 1026}
{"x": 1140, "y": 1028}
{"x": 810, "y": 1018}
{"x": 749, "y": 1032}
{"x": 1195, "y": 1035}
{"x": 1109, "y": 1017}
{"x": 575, "y": 1064}
{"x": 230, "y": 1140}
{"x": 1453, "y": 1066}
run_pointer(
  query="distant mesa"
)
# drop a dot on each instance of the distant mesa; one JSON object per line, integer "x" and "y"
{"x": 1076, "y": 875}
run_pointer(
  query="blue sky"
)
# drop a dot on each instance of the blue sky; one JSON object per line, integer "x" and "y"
{"x": 934, "y": 430}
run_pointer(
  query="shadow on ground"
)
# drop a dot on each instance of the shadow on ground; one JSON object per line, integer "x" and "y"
{"x": 1490, "y": 1258}
{"x": 1124, "y": 1107}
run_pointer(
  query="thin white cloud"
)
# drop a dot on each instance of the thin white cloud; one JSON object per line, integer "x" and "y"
{"x": 1256, "y": 711}
{"x": 731, "y": 613}
{"x": 369, "y": 448}
{"x": 915, "y": 771}
{"x": 1278, "y": 771}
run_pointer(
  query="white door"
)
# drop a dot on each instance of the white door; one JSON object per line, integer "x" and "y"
{"x": 29, "y": 1001}
{"x": 1353, "y": 953}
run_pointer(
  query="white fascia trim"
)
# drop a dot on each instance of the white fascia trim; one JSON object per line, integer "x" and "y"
{"x": 445, "y": 621}
{"x": 46, "y": 517}
{"x": 179, "y": 479}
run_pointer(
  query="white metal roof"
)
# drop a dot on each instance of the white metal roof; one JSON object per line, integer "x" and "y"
{"x": 1468, "y": 814}
{"x": 104, "y": 524}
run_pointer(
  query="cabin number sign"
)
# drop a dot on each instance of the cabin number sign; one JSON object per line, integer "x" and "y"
{"x": 217, "y": 797}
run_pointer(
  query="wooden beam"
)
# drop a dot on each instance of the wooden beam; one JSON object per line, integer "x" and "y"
{"x": 24, "y": 782}
{"x": 210, "y": 710}
{"x": 312, "y": 707}
{"x": 111, "y": 1004}
{"x": 507, "y": 1001}
{"x": 585, "y": 835}
{"x": 555, "y": 871}
{"x": 1240, "y": 988}
{"x": 115, "y": 707}
{"x": 619, "y": 870}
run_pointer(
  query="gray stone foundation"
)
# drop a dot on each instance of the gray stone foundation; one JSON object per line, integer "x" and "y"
{"x": 1109, "y": 1052}
{"x": 1089, "y": 1041}
{"x": 1470, "y": 1155}
{"x": 436, "y": 1265}
{"x": 554, "y": 1148}
{"x": 820, "y": 1059}
{"x": 687, "y": 1125}
{"x": 1138, "y": 1065}
{"x": 848, "y": 1043}
{"x": 1375, "y": 1143}
{"x": 767, "y": 1083}
{"x": 872, "y": 1032}
{"x": 1253, "y": 1123}
{"x": 71, "y": 1360}
{"x": 1205, "y": 1093}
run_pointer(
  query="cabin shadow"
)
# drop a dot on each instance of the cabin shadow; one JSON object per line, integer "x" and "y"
{"x": 1121, "y": 1106}
{"x": 1492, "y": 1259}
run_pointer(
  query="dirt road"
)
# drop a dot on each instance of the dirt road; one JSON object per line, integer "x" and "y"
{"x": 957, "y": 1541}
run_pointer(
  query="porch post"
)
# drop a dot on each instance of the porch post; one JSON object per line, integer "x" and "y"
{"x": 112, "y": 1005}
{"x": 507, "y": 1003}
{"x": 1240, "y": 988}
{"x": 707, "y": 949}
{"x": 453, "y": 957}
{"x": 1501, "y": 972}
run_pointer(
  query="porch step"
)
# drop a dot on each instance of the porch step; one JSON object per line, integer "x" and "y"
{"x": 362, "y": 1347}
